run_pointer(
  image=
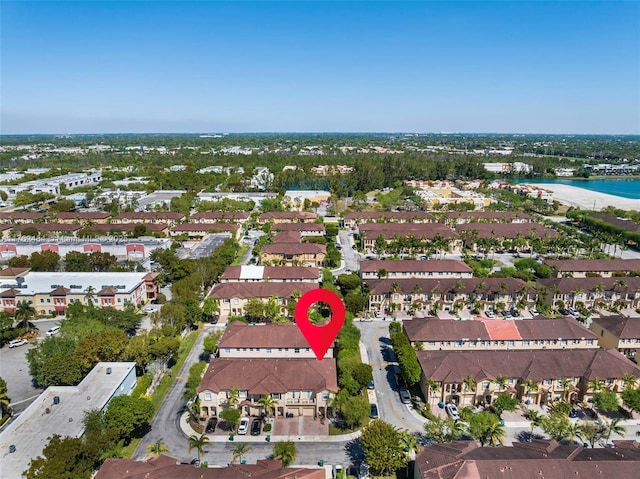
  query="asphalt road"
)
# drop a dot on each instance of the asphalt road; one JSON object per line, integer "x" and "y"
{"x": 375, "y": 337}
{"x": 350, "y": 256}
{"x": 165, "y": 424}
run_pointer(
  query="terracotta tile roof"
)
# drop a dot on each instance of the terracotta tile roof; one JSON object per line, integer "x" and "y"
{"x": 82, "y": 215}
{"x": 294, "y": 248}
{"x": 11, "y": 272}
{"x": 507, "y": 230}
{"x": 287, "y": 215}
{"x": 206, "y": 227}
{"x": 259, "y": 290}
{"x": 539, "y": 459}
{"x": 268, "y": 376}
{"x": 20, "y": 215}
{"x": 153, "y": 227}
{"x": 448, "y": 285}
{"x": 287, "y": 237}
{"x": 497, "y": 216}
{"x": 594, "y": 265}
{"x": 300, "y": 227}
{"x": 619, "y": 222}
{"x": 107, "y": 292}
{"x": 165, "y": 467}
{"x": 277, "y": 335}
{"x": 219, "y": 215}
{"x": 389, "y": 215}
{"x": 61, "y": 291}
{"x": 371, "y": 231}
{"x": 454, "y": 366}
{"x": 500, "y": 330}
{"x": 435, "y": 329}
{"x": 5, "y": 226}
{"x": 568, "y": 285}
{"x": 621, "y": 327}
{"x": 10, "y": 293}
{"x": 398, "y": 266}
{"x": 150, "y": 215}
{"x": 548, "y": 328}
{"x": 239, "y": 273}
{"x": 48, "y": 227}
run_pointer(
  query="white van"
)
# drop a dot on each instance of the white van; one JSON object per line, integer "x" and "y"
{"x": 53, "y": 331}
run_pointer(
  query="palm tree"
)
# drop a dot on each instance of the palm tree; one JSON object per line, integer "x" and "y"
{"x": 157, "y": 447}
{"x": 502, "y": 380}
{"x": 566, "y": 383}
{"x": 240, "y": 451}
{"x": 592, "y": 432}
{"x": 630, "y": 381}
{"x": 573, "y": 432}
{"x": 469, "y": 383}
{"x": 24, "y": 312}
{"x": 496, "y": 433}
{"x": 268, "y": 403}
{"x": 198, "y": 443}
{"x": 596, "y": 385}
{"x": 285, "y": 451}
{"x": 534, "y": 417}
{"x": 530, "y": 385}
{"x": 233, "y": 396}
{"x": 4, "y": 398}
{"x": 615, "y": 428}
{"x": 89, "y": 293}
{"x": 433, "y": 386}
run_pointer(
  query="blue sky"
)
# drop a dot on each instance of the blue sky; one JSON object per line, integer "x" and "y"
{"x": 539, "y": 67}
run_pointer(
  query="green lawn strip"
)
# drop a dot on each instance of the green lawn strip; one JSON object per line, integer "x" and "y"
{"x": 241, "y": 252}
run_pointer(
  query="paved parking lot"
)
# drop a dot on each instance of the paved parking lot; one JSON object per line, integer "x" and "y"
{"x": 207, "y": 246}
{"x": 15, "y": 371}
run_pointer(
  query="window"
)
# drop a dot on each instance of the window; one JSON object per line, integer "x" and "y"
{"x": 547, "y": 382}
{"x": 485, "y": 385}
{"x": 275, "y": 395}
{"x": 41, "y": 300}
{"x": 48, "y": 300}
{"x": 207, "y": 396}
{"x": 268, "y": 350}
{"x": 227, "y": 350}
{"x": 296, "y": 350}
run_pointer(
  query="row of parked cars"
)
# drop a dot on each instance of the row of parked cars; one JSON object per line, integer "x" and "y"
{"x": 246, "y": 424}
{"x": 21, "y": 342}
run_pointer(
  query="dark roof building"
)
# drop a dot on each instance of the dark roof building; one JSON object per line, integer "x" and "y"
{"x": 165, "y": 467}
{"x": 538, "y": 459}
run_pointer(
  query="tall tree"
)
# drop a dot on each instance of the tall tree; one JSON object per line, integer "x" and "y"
{"x": 383, "y": 448}
{"x": 240, "y": 451}
{"x": 198, "y": 443}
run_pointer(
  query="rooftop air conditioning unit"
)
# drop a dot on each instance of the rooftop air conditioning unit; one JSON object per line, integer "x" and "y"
{"x": 108, "y": 370}
{"x": 56, "y": 399}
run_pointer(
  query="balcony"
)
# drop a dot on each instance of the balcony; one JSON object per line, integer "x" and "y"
{"x": 299, "y": 401}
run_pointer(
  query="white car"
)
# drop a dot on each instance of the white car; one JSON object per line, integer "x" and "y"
{"x": 452, "y": 410}
{"x": 244, "y": 425}
{"x": 490, "y": 314}
{"x": 53, "y": 331}
{"x": 149, "y": 309}
{"x": 18, "y": 342}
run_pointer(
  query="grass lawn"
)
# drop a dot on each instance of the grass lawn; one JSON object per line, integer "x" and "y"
{"x": 241, "y": 252}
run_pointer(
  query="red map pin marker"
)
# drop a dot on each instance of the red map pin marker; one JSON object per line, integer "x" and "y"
{"x": 320, "y": 337}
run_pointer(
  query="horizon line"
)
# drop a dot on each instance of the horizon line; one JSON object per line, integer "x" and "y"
{"x": 322, "y": 133}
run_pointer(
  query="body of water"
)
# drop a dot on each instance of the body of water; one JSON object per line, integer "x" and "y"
{"x": 625, "y": 187}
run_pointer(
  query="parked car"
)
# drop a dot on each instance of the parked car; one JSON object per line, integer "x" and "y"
{"x": 515, "y": 313}
{"x": 371, "y": 385}
{"x": 490, "y": 314}
{"x": 53, "y": 331}
{"x": 452, "y": 410}
{"x": 573, "y": 413}
{"x": 244, "y": 425}
{"x": 17, "y": 342}
{"x": 572, "y": 311}
{"x": 534, "y": 312}
{"x": 149, "y": 309}
{"x": 405, "y": 397}
{"x": 256, "y": 427}
{"x": 211, "y": 425}
{"x": 374, "y": 411}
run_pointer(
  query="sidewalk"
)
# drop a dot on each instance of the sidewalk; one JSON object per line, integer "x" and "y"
{"x": 188, "y": 431}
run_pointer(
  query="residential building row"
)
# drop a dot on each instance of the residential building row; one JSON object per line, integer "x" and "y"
{"x": 434, "y": 334}
{"x": 51, "y": 293}
{"x": 271, "y": 360}
{"x": 535, "y": 376}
